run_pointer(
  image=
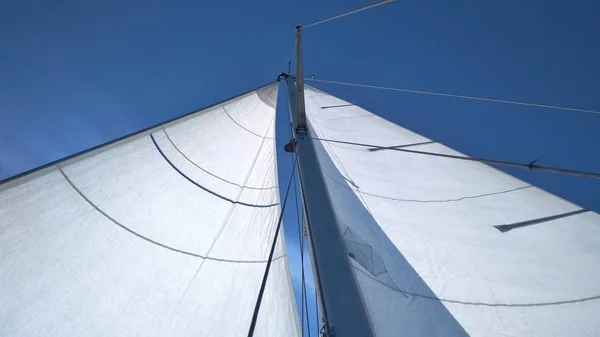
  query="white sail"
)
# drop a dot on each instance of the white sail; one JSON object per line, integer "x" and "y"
{"x": 164, "y": 233}
{"x": 424, "y": 236}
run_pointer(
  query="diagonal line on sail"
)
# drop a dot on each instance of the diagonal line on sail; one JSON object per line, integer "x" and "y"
{"x": 482, "y": 304}
{"x": 413, "y": 200}
{"x": 521, "y": 224}
{"x": 530, "y": 166}
{"x": 225, "y": 222}
{"x": 99, "y": 210}
{"x": 336, "y": 106}
{"x": 343, "y": 118}
{"x": 200, "y": 186}
{"x": 400, "y": 146}
{"x": 429, "y": 201}
{"x": 241, "y": 126}
{"x": 485, "y": 99}
{"x": 272, "y": 251}
{"x": 212, "y": 174}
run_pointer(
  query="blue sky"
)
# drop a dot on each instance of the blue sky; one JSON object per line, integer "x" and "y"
{"x": 74, "y": 74}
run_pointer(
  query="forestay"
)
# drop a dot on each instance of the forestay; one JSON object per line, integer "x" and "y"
{"x": 164, "y": 233}
{"x": 447, "y": 247}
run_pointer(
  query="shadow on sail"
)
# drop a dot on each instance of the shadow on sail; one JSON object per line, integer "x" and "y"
{"x": 387, "y": 280}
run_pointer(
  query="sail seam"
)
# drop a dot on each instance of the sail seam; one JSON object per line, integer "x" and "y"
{"x": 99, "y": 210}
{"x": 398, "y": 199}
{"x": 200, "y": 186}
{"x": 483, "y": 304}
{"x": 429, "y": 201}
{"x": 229, "y": 213}
{"x": 243, "y": 127}
{"x": 212, "y": 174}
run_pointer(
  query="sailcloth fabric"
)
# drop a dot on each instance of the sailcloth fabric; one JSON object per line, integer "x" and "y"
{"x": 442, "y": 247}
{"x": 164, "y": 233}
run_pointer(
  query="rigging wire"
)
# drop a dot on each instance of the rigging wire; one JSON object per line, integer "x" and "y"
{"x": 291, "y": 59}
{"x": 485, "y": 99}
{"x": 530, "y": 166}
{"x": 268, "y": 267}
{"x": 349, "y": 13}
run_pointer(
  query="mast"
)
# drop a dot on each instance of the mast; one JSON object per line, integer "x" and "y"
{"x": 300, "y": 108}
{"x": 342, "y": 305}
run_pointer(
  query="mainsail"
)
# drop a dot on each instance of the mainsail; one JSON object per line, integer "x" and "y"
{"x": 163, "y": 233}
{"x": 447, "y": 247}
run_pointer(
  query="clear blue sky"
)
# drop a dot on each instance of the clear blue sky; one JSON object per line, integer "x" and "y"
{"x": 74, "y": 74}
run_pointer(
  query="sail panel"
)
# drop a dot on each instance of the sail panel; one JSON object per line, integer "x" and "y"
{"x": 134, "y": 239}
{"x": 227, "y": 141}
{"x": 424, "y": 235}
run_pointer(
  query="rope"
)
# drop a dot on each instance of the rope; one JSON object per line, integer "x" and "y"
{"x": 455, "y": 96}
{"x": 349, "y": 13}
{"x": 531, "y": 166}
{"x": 268, "y": 267}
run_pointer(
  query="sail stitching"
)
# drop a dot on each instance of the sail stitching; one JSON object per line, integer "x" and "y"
{"x": 484, "y": 304}
{"x": 398, "y": 199}
{"x": 243, "y": 127}
{"x": 229, "y": 213}
{"x": 212, "y": 174}
{"x": 147, "y": 238}
{"x": 428, "y": 201}
{"x": 200, "y": 186}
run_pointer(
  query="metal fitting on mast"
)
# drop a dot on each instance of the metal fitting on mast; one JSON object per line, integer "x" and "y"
{"x": 300, "y": 109}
